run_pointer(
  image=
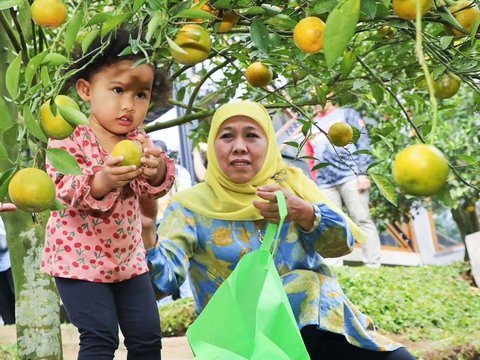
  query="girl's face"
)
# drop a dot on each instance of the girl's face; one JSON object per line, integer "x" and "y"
{"x": 119, "y": 95}
{"x": 240, "y": 148}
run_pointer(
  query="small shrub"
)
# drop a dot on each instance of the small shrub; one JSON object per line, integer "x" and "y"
{"x": 177, "y": 316}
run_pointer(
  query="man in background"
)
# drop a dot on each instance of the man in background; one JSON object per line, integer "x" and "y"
{"x": 345, "y": 180}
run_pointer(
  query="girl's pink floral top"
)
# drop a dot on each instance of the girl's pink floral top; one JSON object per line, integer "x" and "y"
{"x": 96, "y": 240}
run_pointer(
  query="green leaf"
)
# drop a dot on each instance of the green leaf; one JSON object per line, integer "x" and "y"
{"x": 9, "y": 140}
{"x": 387, "y": 189}
{"x": 72, "y": 30}
{"x": 323, "y": 7}
{"x": 12, "y": 76}
{"x": 281, "y": 22}
{"x": 153, "y": 24}
{"x": 468, "y": 159}
{"x": 7, "y": 4}
{"x": 368, "y": 8}
{"x": 45, "y": 77}
{"x": 474, "y": 29}
{"x": 445, "y": 41}
{"x": 57, "y": 206}
{"x": 73, "y": 116}
{"x": 356, "y": 134}
{"x": 259, "y": 35}
{"x": 320, "y": 166}
{"x": 254, "y": 10}
{"x": 32, "y": 125}
{"x": 114, "y": 22}
{"x": 54, "y": 59}
{"x": 222, "y": 4}
{"x": 63, "y": 161}
{"x": 345, "y": 17}
{"x": 137, "y": 5}
{"x": 32, "y": 67}
{"x": 88, "y": 39}
{"x": 377, "y": 92}
{"x": 292, "y": 143}
{"x": 99, "y": 18}
{"x": 348, "y": 63}
{"x": 174, "y": 46}
{"x": 5, "y": 119}
{"x": 195, "y": 13}
{"x": 4, "y": 181}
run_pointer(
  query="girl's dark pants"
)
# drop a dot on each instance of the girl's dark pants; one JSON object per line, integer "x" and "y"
{"x": 98, "y": 309}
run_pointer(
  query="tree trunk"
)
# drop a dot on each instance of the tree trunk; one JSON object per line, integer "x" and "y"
{"x": 37, "y": 303}
{"x": 467, "y": 222}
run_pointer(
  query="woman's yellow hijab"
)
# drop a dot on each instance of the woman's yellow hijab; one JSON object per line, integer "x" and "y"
{"x": 220, "y": 198}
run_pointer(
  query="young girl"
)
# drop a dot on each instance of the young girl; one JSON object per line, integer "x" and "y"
{"x": 94, "y": 247}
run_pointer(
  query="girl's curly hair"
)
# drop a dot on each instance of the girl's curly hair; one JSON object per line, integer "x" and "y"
{"x": 111, "y": 49}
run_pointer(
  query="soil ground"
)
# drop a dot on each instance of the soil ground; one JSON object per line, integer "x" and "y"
{"x": 174, "y": 348}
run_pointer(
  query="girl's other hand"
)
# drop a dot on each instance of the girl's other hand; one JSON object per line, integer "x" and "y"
{"x": 153, "y": 164}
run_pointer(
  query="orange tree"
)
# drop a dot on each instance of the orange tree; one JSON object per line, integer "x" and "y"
{"x": 368, "y": 57}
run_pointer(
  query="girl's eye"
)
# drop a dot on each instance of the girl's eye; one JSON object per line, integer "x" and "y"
{"x": 118, "y": 90}
{"x": 142, "y": 95}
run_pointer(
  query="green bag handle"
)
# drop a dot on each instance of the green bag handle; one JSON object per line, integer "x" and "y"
{"x": 273, "y": 230}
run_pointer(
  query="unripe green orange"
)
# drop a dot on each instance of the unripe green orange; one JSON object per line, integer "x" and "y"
{"x": 131, "y": 151}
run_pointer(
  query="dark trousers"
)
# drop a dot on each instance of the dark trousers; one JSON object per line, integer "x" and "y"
{"x": 323, "y": 345}
{"x": 7, "y": 297}
{"x": 98, "y": 309}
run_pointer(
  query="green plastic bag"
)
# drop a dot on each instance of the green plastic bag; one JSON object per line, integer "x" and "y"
{"x": 249, "y": 316}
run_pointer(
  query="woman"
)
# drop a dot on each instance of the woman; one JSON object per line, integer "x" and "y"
{"x": 207, "y": 228}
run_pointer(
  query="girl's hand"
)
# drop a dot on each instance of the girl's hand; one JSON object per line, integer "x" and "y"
{"x": 300, "y": 211}
{"x": 112, "y": 177}
{"x": 153, "y": 165}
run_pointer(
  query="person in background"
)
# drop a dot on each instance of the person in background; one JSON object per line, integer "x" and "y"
{"x": 7, "y": 292}
{"x": 209, "y": 227}
{"x": 183, "y": 180}
{"x": 345, "y": 181}
{"x": 94, "y": 248}
{"x": 200, "y": 162}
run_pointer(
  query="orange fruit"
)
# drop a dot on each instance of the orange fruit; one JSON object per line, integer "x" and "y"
{"x": 32, "y": 190}
{"x": 229, "y": 20}
{"x": 446, "y": 86}
{"x": 49, "y": 13}
{"x": 195, "y": 41}
{"x": 207, "y": 8}
{"x": 466, "y": 12}
{"x": 308, "y": 34}
{"x": 340, "y": 134}
{"x": 258, "y": 74}
{"x": 405, "y": 9}
{"x": 420, "y": 170}
{"x": 471, "y": 208}
{"x": 55, "y": 126}
{"x": 131, "y": 151}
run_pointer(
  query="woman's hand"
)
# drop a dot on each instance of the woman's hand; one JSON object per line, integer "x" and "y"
{"x": 153, "y": 168}
{"x": 300, "y": 211}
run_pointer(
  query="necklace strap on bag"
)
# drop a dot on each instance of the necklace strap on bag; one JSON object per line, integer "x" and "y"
{"x": 273, "y": 230}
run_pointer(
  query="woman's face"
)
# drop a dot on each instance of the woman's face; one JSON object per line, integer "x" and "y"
{"x": 240, "y": 147}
